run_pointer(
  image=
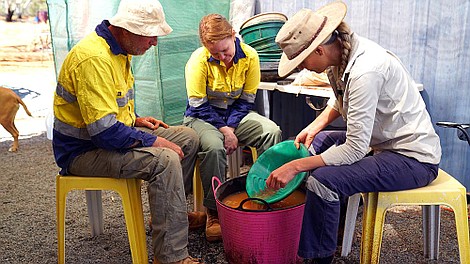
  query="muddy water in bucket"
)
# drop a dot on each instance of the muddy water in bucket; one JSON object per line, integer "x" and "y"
{"x": 236, "y": 199}
{"x": 259, "y": 235}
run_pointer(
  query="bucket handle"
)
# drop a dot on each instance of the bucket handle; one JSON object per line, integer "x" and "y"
{"x": 268, "y": 209}
{"x": 214, "y": 188}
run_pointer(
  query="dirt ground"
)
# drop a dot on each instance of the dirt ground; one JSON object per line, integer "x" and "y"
{"x": 27, "y": 187}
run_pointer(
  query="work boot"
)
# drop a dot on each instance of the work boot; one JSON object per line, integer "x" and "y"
{"x": 213, "y": 231}
{"x": 187, "y": 260}
{"x": 196, "y": 220}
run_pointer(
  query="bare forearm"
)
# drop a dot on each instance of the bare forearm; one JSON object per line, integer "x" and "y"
{"x": 308, "y": 163}
{"x": 280, "y": 177}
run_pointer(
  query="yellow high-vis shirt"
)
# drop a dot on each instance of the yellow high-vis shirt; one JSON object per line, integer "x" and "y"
{"x": 209, "y": 80}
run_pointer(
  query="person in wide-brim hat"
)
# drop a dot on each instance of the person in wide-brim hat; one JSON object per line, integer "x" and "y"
{"x": 305, "y": 31}
{"x": 143, "y": 18}
{"x": 383, "y": 110}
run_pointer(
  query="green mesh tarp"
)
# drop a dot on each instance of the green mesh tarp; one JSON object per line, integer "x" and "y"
{"x": 159, "y": 74}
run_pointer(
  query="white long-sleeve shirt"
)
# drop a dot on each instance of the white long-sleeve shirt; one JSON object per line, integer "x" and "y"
{"x": 383, "y": 109}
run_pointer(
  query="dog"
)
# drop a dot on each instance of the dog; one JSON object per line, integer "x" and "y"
{"x": 9, "y": 105}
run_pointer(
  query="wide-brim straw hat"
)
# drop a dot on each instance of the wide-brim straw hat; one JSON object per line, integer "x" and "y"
{"x": 305, "y": 31}
{"x": 143, "y": 17}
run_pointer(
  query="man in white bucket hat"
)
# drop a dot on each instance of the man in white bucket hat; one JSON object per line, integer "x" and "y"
{"x": 383, "y": 110}
{"x": 97, "y": 133}
{"x": 144, "y": 18}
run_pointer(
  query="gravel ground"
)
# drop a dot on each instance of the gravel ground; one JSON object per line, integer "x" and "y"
{"x": 28, "y": 225}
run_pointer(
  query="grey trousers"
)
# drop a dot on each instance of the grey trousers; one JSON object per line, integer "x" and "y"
{"x": 254, "y": 130}
{"x": 164, "y": 172}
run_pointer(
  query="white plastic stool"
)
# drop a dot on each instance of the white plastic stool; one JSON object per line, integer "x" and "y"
{"x": 95, "y": 212}
{"x": 350, "y": 223}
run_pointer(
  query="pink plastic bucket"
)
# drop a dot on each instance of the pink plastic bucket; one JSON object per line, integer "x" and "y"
{"x": 257, "y": 237}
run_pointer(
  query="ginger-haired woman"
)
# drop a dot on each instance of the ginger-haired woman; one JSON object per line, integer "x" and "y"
{"x": 222, "y": 78}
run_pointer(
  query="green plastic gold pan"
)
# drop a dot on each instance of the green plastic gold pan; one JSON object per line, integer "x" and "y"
{"x": 270, "y": 160}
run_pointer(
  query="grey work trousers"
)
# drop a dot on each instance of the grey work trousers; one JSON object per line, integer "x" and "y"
{"x": 164, "y": 172}
{"x": 254, "y": 130}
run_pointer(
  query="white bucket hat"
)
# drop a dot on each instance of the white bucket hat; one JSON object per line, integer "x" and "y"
{"x": 143, "y": 17}
{"x": 304, "y": 32}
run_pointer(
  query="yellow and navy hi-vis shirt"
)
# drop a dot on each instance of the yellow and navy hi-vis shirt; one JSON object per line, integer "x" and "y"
{"x": 219, "y": 96}
{"x": 94, "y": 100}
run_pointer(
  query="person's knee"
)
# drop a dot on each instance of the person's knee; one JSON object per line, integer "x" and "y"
{"x": 212, "y": 144}
{"x": 315, "y": 185}
{"x": 271, "y": 135}
{"x": 270, "y": 127}
{"x": 275, "y": 134}
{"x": 191, "y": 134}
{"x": 191, "y": 141}
{"x": 167, "y": 160}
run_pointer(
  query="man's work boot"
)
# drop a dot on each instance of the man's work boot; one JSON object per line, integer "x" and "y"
{"x": 196, "y": 220}
{"x": 213, "y": 231}
{"x": 187, "y": 260}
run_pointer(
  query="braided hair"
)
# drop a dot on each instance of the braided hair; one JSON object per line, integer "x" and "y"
{"x": 336, "y": 72}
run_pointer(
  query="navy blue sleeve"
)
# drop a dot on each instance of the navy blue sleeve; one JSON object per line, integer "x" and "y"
{"x": 122, "y": 137}
{"x": 238, "y": 110}
{"x": 207, "y": 113}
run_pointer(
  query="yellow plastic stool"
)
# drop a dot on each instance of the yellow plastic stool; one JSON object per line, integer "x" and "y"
{"x": 198, "y": 191}
{"x": 128, "y": 189}
{"x": 444, "y": 190}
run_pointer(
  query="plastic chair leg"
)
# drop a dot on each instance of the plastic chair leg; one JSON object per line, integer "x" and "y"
{"x": 61, "y": 195}
{"x": 431, "y": 227}
{"x": 254, "y": 153}
{"x": 368, "y": 223}
{"x": 132, "y": 206}
{"x": 198, "y": 192}
{"x": 350, "y": 223}
{"x": 444, "y": 190}
{"x": 461, "y": 223}
{"x": 380, "y": 212}
{"x": 95, "y": 212}
{"x": 128, "y": 189}
{"x": 234, "y": 163}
